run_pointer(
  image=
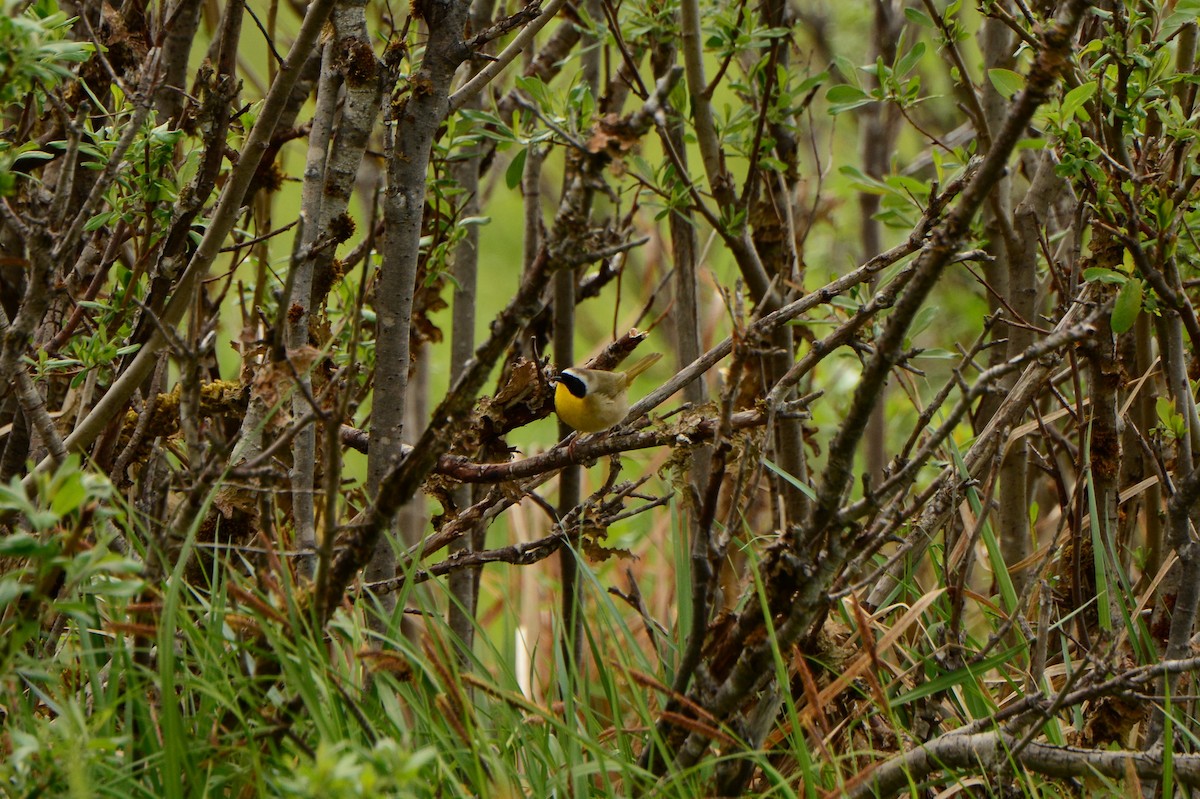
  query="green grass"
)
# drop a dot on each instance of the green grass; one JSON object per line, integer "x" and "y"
{"x": 114, "y": 686}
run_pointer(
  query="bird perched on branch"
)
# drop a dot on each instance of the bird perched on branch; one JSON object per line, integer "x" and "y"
{"x": 591, "y": 400}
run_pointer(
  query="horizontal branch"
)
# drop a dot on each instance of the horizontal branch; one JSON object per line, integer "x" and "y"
{"x": 586, "y": 449}
{"x": 520, "y": 554}
{"x": 991, "y": 753}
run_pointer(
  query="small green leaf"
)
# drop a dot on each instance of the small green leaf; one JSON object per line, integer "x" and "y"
{"x": 100, "y": 220}
{"x": 936, "y": 354}
{"x": 844, "y": 93}
{"x": 516, "y": 168}
{"x": 1172, "y": 422}
{"x": 24, "y": 545}
{"x": 811, "y": 82}
{"x": 1007, "y": 82}
{"x": 68, "y": 496}
{"x": 1127, "y": 306}
{"x": 923, "y": 320}
{"x": 1165, "y": 209}
{"x": 910, "y": 59}
{"x": 1163, "y": 408}
{"x": 1076, "y": 98}
{"x": 918, "y": 17}
{"x": 1103, "y": 275}
{"x": 10, "y": 589}
{"x": 845, "y": 97}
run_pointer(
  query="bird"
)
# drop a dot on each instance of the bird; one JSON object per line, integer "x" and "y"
{"x": 592, "y": 400}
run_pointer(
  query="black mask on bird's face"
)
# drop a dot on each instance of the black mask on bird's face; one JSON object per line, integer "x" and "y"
{"x": 572, "y": 383}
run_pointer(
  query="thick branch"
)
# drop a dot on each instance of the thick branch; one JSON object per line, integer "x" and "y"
{"x": 990, "y": 753}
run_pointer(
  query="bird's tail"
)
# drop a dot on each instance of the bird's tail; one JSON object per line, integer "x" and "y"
{"x": 641, "y": 366}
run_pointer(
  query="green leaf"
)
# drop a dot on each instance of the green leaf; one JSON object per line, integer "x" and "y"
{"x": 1165, "y": 209}
{"x": 811, "y": 82}
{"x": 923, "y": 320}
{"x": 863, "y": 182}
{"x": 844, "y": 97}
{"x": 910, "y": 59}
{"x": 1127, "y": 306}
{"x": 100, "y": 220}
{"x": 1007, "y": 82}
{"x": 1171, "y": 421}
{"x": 516, "y": 168}
{"x": 68, "y": 496}
{"x": 844, "y": 93}
{"x": 918, "y": 17}
{"x": 24, "y": 545}
{"x": 536, "y": 88}
{"x": 1076, "y": 98}
{"x": 10, "y": 589}
{"x": 1163, "y": 408}
{"x": 12, "y": 497}
{"x": 1185, "y": 11}
{"x": 1103, "y": 275}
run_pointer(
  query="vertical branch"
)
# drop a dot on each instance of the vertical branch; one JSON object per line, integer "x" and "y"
{"x": 1135, "y": 460}
{"x": 182, "y": 21}
{"x": 877, "y": 134}
{"x": 707, "y": 139}
{"x": 464, "y": 584}
{"x": 1011, "y": 273}
{"x": 570, "y": 479}
{"x": 393, "y": 308}
{"x": 1104, "y": 455}
{"x": 335, "y": 164}
{"x": 1021, "y": 302}
{"x": 330, "y": 170}
{"x": 32, "y": 413}
{"x": 17, "y": 333}
{"x": 987, "y": 108}
{"x": 410, "y": 122}
{"x": 300, "y": 281}
{"x": 414, "y": 517}
{"x": 704, "y": 469}
{"x": 1180, "y": 521}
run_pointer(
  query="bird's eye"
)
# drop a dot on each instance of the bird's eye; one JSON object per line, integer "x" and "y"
{"x": 573, "y": 383}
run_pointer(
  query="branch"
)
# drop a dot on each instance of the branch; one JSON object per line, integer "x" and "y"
{"x": 990, "y": 753}
{"x": 518, "y": 45}
{"x": 584, "y": 450}
{"x": 527, "y": 14}
{"x": 520, "y": 554}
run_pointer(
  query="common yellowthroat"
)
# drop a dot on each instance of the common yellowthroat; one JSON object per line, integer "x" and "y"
{"x": 591, "y": 400}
